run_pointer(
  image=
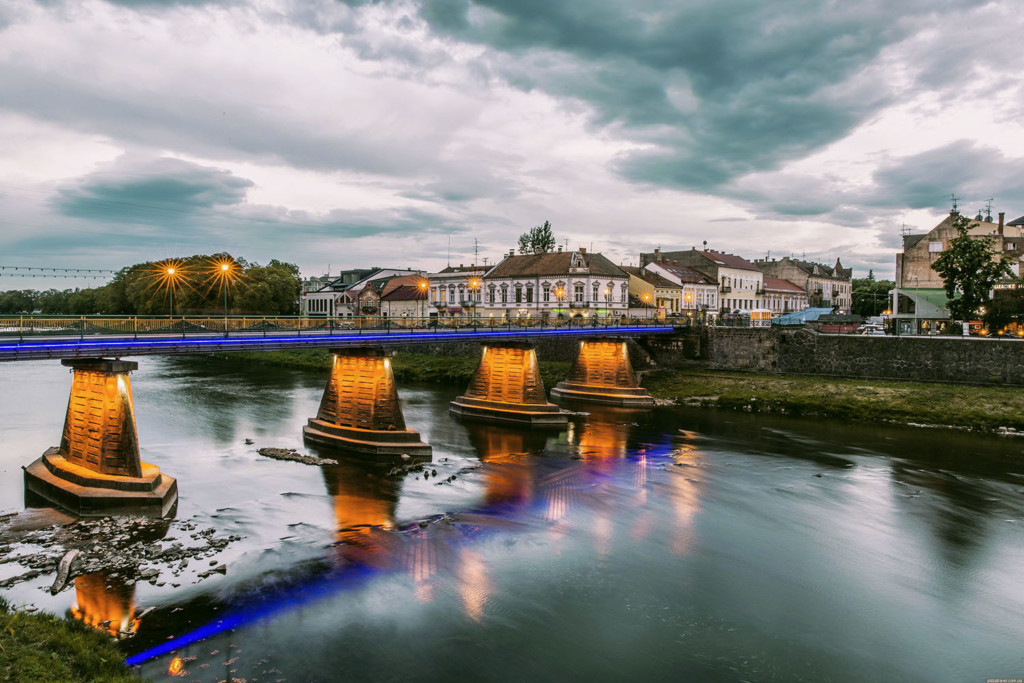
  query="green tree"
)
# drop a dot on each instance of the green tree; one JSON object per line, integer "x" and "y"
{"x": 272, "y": 289}
{"x": 968, "y": 269}
{"x": 538, "y": 240}
{"x": 870, "y": 296}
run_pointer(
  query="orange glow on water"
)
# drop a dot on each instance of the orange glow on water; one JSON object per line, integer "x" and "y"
{"x": 176, "y": 667}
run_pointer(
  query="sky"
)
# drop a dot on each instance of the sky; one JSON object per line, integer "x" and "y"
{"x": 344, "y": 134}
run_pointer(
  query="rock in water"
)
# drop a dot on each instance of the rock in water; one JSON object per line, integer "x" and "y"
{"x": 63, "y": 571}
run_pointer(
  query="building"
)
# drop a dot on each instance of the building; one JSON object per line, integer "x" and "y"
{"x": 699, "y": 292}
{"x": 826, "y": 286}
{"x": 919, "y": 298}
{"x": 557, "y": 284}
{"x": 406, "y": 300}
{"x": 651, "y": 290}
{"x": 783, "y": 296}
{"x": 457, "y": 291}
{"x": 344, "y": 296}
{"x": 740, "y": 282}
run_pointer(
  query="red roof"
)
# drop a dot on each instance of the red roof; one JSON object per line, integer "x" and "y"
{"x": 729, "y": 260}
{"x": 779, "y": 285}
{"x": 405, "y": 293}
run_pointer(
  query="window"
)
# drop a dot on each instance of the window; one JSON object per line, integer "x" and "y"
{"x": 504, "y": 294}
{"x": 596, "y": 289}
{"x": 490, "y": 294}
{"x": 529, "y": 294}
{"x": 547, "y": 294}
{"x": 519, "y": 294}
{"x": 934, "y": 247}
{"x": 578, "y": 293}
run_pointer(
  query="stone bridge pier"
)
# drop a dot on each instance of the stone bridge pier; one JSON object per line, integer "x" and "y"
{"x": 96, "y": 470}
{"x": 360, "y": 411}
{"x": 507, "y": 387}
{"x": 602, "y": 373}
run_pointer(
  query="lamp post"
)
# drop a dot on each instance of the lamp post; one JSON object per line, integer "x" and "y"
{"x": 172, "y": 275}
{"x": 647, "y": 304}
{"x": 423, "y": 301}
{"x": 474, "y": 288}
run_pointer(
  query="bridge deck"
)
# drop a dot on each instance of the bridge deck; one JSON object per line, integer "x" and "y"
{"x": 50, "y": 346}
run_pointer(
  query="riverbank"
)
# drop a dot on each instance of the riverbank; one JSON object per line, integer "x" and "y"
{"x": 976, "y": 408}
{"x": 43, "y": 647}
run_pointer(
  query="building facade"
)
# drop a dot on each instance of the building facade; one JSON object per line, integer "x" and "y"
{"x": 783, "y": 296}
{"x": 558, "y": 284}
{"x": 740, "y": 282}
{"x": 457, "y": 291}
{"x": 825, "y": 286}
{"x": 698, "y": 292}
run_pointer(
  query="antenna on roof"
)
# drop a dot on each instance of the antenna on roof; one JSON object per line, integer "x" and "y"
{"x": 476, "y": 251}
{"x": 988, "y": 209}
{"x": 905, "y": 229}
{"x": 954, "y": 199}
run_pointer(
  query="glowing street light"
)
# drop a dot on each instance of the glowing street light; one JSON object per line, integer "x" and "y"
{"x": 423, "y": 299}
{"x": 169, "y": 274}
{"x": 223, "y": 272}
{"x": 647, "y": 303}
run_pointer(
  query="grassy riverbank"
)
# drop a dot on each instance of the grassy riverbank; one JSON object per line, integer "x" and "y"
{"x": 974, "y": 407}
{"x": 42, "y": 647}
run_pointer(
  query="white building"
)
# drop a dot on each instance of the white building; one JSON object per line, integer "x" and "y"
{"x": 341, "y": 297}
{"x": 457, "y": 291}
{"x": 699, "y": 291}
{"x": 563, "y": 283}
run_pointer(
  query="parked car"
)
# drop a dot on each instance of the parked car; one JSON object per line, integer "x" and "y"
{"x": 871, "y": 329}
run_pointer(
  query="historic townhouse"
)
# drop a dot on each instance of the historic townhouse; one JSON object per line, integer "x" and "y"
{"x": 782, "y": 296}
{"x": 457, "y": 291}
{"x": 740, "y": 283}
{"x": 826, "y": 286}
{"x": 563, "y": 283}
{"x": 699, "y": 292}
{"x": 654, "y": 291}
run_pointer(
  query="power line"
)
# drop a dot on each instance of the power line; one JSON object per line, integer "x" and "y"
{"x": 4, "y": 269}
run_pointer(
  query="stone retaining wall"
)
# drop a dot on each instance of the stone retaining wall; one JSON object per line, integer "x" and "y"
{"x": 944, "y": 359}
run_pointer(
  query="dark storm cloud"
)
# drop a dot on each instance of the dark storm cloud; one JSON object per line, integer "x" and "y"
{"x": 757, "y": 83}
{"x": 972, "y": 172}
{"x": 157, "y": 191}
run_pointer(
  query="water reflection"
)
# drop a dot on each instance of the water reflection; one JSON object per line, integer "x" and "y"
{"x": 364, "y": 499}
{"x": 106, "y": 603}
{"x": 510, "y": 468}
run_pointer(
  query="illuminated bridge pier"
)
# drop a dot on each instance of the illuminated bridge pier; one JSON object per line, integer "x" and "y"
{"x": 360, "y": 410}
{"x": 602, "y": 373}
{"x": 507, "y": 387}
{"x": 96, "y": 470}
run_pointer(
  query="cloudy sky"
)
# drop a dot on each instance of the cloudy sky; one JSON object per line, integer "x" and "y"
{"x": 347, "y": 134}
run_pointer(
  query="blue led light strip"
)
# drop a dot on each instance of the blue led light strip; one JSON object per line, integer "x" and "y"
{"x": 341, "y": 339}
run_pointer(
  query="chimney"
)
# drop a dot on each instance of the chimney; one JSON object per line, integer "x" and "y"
{"x": 559, "y": 248}
{"x": 583, "y": 250}
{"x": 1002, "y": 215}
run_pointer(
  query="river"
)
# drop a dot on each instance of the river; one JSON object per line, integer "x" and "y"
{"x": 670, "y": 544}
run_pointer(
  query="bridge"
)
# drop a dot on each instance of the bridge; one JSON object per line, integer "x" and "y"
{"x": 96, "y": 469}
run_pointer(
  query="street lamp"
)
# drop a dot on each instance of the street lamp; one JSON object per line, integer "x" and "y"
{"x": 647, "y": 303}
{"x": 474, "y": 289}
{"x": 423, "y": 300}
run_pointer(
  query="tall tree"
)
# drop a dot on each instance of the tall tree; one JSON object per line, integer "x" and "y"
{"x": 969, "y": 269}
{"x": 538, "y": 240}
{"x": 870, "y": 296}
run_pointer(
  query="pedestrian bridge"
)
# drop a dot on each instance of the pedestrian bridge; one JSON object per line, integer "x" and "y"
{"x": 97, "y": 469}
{"x": 25, "y": 338}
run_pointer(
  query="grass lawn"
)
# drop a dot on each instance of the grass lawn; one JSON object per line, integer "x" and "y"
{"x": 42, "y": 647}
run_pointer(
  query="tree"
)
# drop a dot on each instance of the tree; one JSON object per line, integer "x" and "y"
{"x": 968, "y": 269}
{"x": 538, "y": 240}
{"x": 870, "y": 296}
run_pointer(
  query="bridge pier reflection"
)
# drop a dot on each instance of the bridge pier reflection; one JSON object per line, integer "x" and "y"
{"x": 96, "y": 469}
{"x": 360, "y": 411}
{"x": 507, "y": 387}
{"x": 602, "y": 373}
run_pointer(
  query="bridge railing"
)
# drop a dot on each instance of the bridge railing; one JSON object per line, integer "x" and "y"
{"x": 27, "y": 326}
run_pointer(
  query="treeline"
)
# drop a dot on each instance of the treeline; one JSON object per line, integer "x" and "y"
{"x": 193, "y": 286}
{"x": 871, "y": 296}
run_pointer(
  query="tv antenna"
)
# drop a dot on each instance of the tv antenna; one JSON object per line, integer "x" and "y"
{"x": 476, "y": 251}
{"x": 954, "y": 199}
{"x": 988, "y": 209}
{"x": 905, "y": 229}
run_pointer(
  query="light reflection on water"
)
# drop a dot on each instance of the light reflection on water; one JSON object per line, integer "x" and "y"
{"x": 631, "y": 545}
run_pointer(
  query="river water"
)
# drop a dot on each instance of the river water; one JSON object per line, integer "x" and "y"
{"x": 670, "y": 544}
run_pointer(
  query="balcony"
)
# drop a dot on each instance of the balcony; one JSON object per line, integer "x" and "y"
{"x": 724, "y": 289}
